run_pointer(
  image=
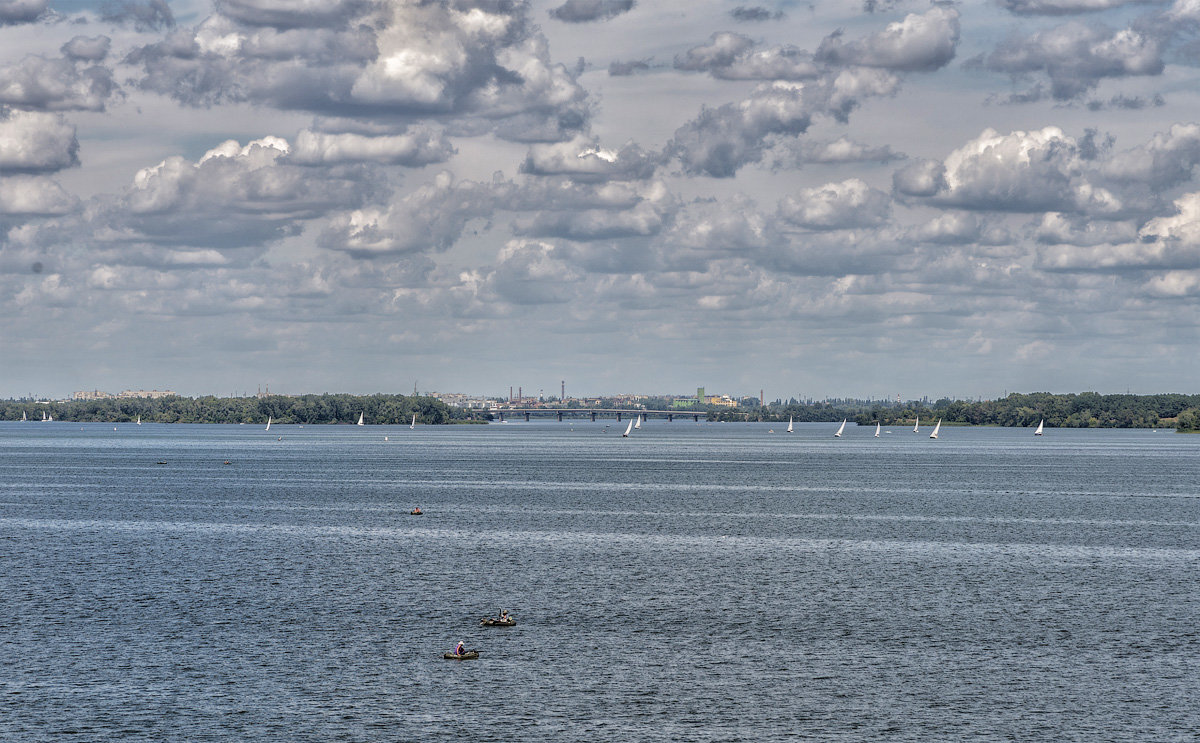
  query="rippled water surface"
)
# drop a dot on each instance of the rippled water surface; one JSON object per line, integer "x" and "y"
{"x": 711, "y": 582}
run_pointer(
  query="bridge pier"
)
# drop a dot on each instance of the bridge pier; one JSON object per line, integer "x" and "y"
{"x": 560, "y": 416}
{"x": 670, "y": 417}
{"x": 618, "y": 416}
{"x": 696, "y": 417}
{"x": 526, "y": 416}
{"x": 501, "y": 416}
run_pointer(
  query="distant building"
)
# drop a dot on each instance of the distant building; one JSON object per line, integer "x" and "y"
{"x": 151, "y": 394}
{"x": 90, "y": 395}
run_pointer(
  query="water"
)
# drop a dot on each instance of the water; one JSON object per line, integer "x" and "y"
{"x": 710, "y": 582}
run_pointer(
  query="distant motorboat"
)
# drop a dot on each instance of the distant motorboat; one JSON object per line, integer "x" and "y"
{"x": 936, "y": 428}
{"x": 789, "y": 424}
{"x": 876, "y": 429}
{"x": 360, "y": 420}
{"x": 628, "y": 429}
{"x": 1038, "y": 432}
{"x": 840, "y": 429}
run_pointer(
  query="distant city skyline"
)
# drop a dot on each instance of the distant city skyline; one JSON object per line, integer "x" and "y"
{"x": 840, "y": 199}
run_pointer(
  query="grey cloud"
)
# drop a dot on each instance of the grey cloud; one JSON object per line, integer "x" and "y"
{"x": 583, "y": 11}
{"x": 418, "y": 147}
{"x": 624, "y": 69}
{"x": 731, "y": 56}
{"x": 1065, "y": 7}
{"x": 293, "y": 14}
{"x": 755, "y": 14}
{"x": 87, "y": 49}
{"x": 588, "y": 162}
{"x": 1167, "y": 160}
{"x": 796, "y": 154}
{"x": 920, "y": 178}
{"x": 60, "y": 84}
{"x": 848, "y": 204}
{"x": 642, "y": 220}
{"x": 1056, "y": 228}
{"x": 722, "y": 140}
{"x": 32, "y": 142}
{"x": 13, "y": 12}
{"x": 1076, "y": 57}
{"x": 919, "y": 43}
{"x": 485, "y": 69}
{"x": 31, "y": 195}
{"x": 146, "y": 15}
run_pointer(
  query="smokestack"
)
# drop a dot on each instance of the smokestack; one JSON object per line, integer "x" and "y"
{"x": 762, "y": 401}
{"x": 563, "y": 396}
{"x": 520, "y": 394}
{"x": 510, "y": 393}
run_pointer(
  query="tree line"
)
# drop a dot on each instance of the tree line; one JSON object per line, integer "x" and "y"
{"x": 309, "y": 409}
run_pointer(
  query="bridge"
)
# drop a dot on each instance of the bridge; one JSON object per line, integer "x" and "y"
{"x": 594, "y": 413}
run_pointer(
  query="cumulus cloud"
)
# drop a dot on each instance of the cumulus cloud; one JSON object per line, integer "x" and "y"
{"x": 30, "y": 195}
{"x": 586, "y": 161}
{"x": 1167, "y": 160}
{"x": 796, "y": 154}
{"x": 583, "y": 11}
{"x": 487, "y": 67}
{"x": 32, "y": 142}
{"x": 13, "y": 12}
{"x": 624, "y": 69}
{"x": 919, "y": 43}
{"x": 1075, "y": 57}
{"x": 731, "y": 56}
{"x": 1064, "y": 7}
{"x": 56, "y": 84}
{"x": 1034, "y": 171}
{"x": 87, "y": 48}
{"x": 420, "y": 146}
{"x": 755, "y": 14}
{"x": 850, "y": 203}
{"x": 146, "y": 15}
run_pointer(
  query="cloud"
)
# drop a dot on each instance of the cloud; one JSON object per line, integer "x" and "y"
{"x": 730, "y": 56}
{"x": 583, "y": 11}
{"x": 1167, "y": 160}
{"x": 30, "y": 195}
{"x": 1065, "y": 7}
{"x": 485, "y": 68}
{"x": 32, "y": 142}
{"x": 1076, "y": 57}
{"x": 722, "y": 140}
{"x": 418, "y": 147}
{"x": 147, "y": 15}
{"x": 848, "y": 204}
{"x": 87, "y": 49}
{"x": 1034, "y": 171}
{"x": 624, "y": 69}
{"x": 755, "y": 14}
{"x": 56, "y": 84}
{"x": 919, "y": 43}
{"x": 795, "y": 154}
{"x": 586, "y": 161}
{"x": 13, "y": 12}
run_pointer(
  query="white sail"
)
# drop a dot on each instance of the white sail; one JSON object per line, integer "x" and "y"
{"x": 1038, "y": 432}
{"x": 628, "y": 428}
{"x": 360, "y": 420}
{"x": 43, "y": 416}
{"x": 638, "y": 423}
{"x": 268, "y": 428}
{"x": 876, "y": 429}
{"x": 139, "y": 420}
{"x": 842, "y": 428}
{"x": 789, "y": 424}
{"x": 23, "y": 418}
{"x": 414, "y": 422}
{"x": 936, "y": 429}
{"x": 917, "y": 427}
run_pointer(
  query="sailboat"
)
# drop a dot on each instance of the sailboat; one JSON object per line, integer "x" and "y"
{"x": 139, "y": 420}
{"x": 360, "y": 420}
{"x": 414, "y": 421}
{"x": 936, "y": 429}
{"x": 1038, "y": 432}
{"x": 23, "y": 418}
{"x": 638, "y": 423}
{"x": 43, "y": 416}
{"x": 917, "y": 426}
{"x": 268, "y": 428}
{"x": 628, "y": 428}
{"x": 789, "y": 424}
{"x": 840, "y": 429}
{"x": 876, "y": 429}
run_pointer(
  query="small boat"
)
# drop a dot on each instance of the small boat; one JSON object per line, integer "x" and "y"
{"x": 1038, "y": 432}
{"x": 789, "y": 424}
{"x": 360, "y": 420}
{"x": 917, "y": 426}
{"x": 840, "y": 429}
{"x": 414, "y": 421}
{"x": 416, "y": 512}
{"x": 228, "y": 462}
{"x": 638, "y": 424}
{"x": 23, "y": 418}
{"x": 876, "y": 429}
{"x": 139, "y": 420}
{"x": 628, "y": 428}
{"x": 162, "y": 461}
{"x": 936, "y": 429}
{"x": 494, "y": 622}
{"x": 268, "y": 428}
{"x": 468, "y": 655}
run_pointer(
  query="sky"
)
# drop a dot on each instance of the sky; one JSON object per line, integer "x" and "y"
{"x": 832, "y": 199}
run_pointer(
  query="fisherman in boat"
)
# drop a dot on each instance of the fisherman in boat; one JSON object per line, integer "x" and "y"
{"x": 460, "y": 648}
{"x": 416, "y": 511}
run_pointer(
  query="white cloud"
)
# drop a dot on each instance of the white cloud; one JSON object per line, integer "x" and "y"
{"x": 36, "y": 142}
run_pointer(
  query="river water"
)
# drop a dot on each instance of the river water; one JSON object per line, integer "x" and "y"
{"x": 694, "y": 582}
